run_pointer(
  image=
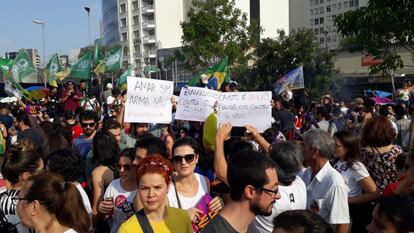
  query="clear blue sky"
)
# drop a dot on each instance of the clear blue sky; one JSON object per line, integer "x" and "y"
{"x": 66, "y": 24}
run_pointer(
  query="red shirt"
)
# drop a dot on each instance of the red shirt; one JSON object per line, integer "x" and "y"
{"x": 389, "y": 190}
{"x": 71, "y": 103}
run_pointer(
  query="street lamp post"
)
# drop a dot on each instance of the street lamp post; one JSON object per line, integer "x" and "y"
{"x": 44, "y": 45}
{"x": 88, "y": 10}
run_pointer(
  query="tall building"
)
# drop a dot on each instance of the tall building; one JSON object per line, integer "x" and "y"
{"x": 320, "y": 15}
{"x": 64, "y": 61}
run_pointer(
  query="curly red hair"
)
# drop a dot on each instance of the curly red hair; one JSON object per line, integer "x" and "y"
{"x": 155, "y": 164}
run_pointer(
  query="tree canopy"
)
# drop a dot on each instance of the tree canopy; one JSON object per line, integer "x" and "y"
{"x": 380, "y": 29}
{"x": 216, "y": 29}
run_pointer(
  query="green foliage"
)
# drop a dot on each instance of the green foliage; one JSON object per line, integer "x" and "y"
{"x": 380, "y": 29}
{"x": 217, "y": 29}
{"x": 276, "y": 57}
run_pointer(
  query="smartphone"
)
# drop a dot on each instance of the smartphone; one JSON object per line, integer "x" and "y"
{"x": 237, "y": 132}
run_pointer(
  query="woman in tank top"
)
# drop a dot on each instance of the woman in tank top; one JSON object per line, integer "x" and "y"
{"x": 188, "y": 187}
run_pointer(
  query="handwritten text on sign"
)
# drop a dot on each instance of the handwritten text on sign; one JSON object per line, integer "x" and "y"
{"x": 195, "y": 104}
{"x": 245, "y": 108}
{"x": 148, "y": 100}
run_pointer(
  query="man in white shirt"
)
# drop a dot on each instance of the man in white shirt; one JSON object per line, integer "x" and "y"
{"x": 288, "y": 158}
{"x": 322, "y": 114}
{"x": 326, "y": 188}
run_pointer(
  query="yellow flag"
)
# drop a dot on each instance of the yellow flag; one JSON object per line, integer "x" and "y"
{"x": 100, "y": 69}
{"x": 63, "y": 74}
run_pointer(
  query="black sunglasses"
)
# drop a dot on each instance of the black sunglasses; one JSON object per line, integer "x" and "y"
{"x": 179, "y": 158}
{"x": 126, "y": 167}
{"x": 88, "y": 124}
{"x": 269, "y": 191}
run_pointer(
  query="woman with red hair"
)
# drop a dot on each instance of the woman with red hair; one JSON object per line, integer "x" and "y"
{"x": 153, "y": 177}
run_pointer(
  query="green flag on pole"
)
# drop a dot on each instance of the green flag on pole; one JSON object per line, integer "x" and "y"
{"x": 22, "y": 67}
{"x": 123, "y": 78}
{"x": 5, "y": 65}
{"x": 217, "y": 75}
{"x": 82, "y": 68}
{"x": 51, "y": 69}
{"x": 96, "y": 54}
{"x": 113, "y": 59}
{"x": 151, "y": 69}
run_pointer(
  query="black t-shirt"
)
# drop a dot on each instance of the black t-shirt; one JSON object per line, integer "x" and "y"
{"x": 219, "y": 225}
{"x": 285, "y": 120}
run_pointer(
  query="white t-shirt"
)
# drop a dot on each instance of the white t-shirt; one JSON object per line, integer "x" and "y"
{"x": 324, "y": 125}
{"x": 85, "y": 198}
{"x": 70, "y": 231}
{"x": 327, "y": 194}
{"x": 188, "y": 202}
{"x": 292, "y": 197}
{"x": 352, "y": 176}
{"x": 123, "y": 203}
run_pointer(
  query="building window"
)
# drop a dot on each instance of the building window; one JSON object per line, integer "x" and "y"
{"x": 321, "y": 40}
{"x": 312, "y": 2}
{"x": 351, "y": 3}
{"x": 321, "y": 31}
{"x": 316, "y": 11}
{"x": 356, "y": 2}
{"x": 123, "y": 22}
{"x": 316, "y": 21}
{"x": 316, "y": 2}
{"x": 328, "y": 8}
{"x": 333, "y": 18}
{"x": 311, "y": 22}
{"x": 136, "y": 34}
{"x": 311, "y": 12}
{"x": 136, "y": 49}
{"x": 122, "y": 8}
{"x": 339, "y": 5}
{"x": 321, "y": 10}
{"x": 321, "y": 20}
{"x": 135, "y": 20}
{"x": 134, "y": 5}
{"x": 321, "y": 1}
{"x": 328, "y": 39}
{"x": 124, "y": 36}
{"x": 346, "y": 4}
{"x": 328, "y": 18}
{"x": 333, "y": 7}
{"x": 334, "y": 38}
{"x": 316, "y": 31}
{"x": 126, "y": 50}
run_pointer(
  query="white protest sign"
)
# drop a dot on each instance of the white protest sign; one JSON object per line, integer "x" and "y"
{"x": 245, "y": 108}
{"x": 195, "y": 103}
{"x": 148, "y": 100}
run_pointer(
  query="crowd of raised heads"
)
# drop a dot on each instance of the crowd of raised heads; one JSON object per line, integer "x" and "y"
{"x": 70, "y": 163}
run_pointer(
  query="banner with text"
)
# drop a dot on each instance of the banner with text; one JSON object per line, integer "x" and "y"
{"x": 148, "y": 100}
{"x": 195, "y": 103}
{"x": 245, "y": 108}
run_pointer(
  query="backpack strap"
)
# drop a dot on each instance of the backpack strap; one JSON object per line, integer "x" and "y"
{"x": 144, "y": 222}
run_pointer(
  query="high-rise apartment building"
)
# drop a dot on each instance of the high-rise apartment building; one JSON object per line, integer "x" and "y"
{"x": 33, "y": 54}
{"x": 320, "y": 15}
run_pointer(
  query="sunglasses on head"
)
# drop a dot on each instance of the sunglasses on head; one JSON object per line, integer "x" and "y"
{"x": 179, "y": 158}
{"x": 126, "y": 167}
{"x": 88, "y": 124}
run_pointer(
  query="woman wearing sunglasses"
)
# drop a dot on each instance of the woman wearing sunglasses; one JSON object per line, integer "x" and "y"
{"x": 117, "y": 204}
{"x": 153, "y": 176}
{"x": 188, "y": 187}
{"x": 47, "y": 203}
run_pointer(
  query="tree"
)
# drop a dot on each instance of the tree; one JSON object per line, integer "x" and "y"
{"x": 216, "y": 29}
{"x": 276, "y": 57}
{"x": 380, "y": 29}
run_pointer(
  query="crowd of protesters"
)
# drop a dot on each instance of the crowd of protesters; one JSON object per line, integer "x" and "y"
{"x": 71, "y": 164}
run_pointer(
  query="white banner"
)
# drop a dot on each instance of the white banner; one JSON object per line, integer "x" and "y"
{"x": 245, "y": 108}
{"x": 195, "y": 103}
{"x": 148, "y": 100}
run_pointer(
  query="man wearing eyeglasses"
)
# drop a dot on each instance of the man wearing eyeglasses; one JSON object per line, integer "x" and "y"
{"x": 83, "y": 144}
{"x": 70, "y": 97}
{"x": 253, "y": 191}
{"x": 326, "y": 189}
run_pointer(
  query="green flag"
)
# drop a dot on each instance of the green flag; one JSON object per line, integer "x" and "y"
{"x": 96, "y": 54}
{"x": 22, "y": 67}
{"x": 51, "y": 69}
{"x": 113, "y": 59}
{"x": 123, "y": 78}
{"x": 82, "y": 68}
{"x": 151, "y": 69}
{"x": 5, "y": 65}
{"x": 217, "y": 75}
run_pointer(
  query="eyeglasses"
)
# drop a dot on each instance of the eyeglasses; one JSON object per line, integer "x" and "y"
{"x": 272, "y": 193}
{"x": 15, "y": 200}
{"x": 88, "y": 124}
{"x": 179, "y": 158}
{"x": 126, "y": 167}
{"x": 69, "y": 84}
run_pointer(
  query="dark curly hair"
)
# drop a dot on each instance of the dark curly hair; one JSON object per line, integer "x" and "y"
{"x": 67, "y": 163}
{"x": 378, "y": 132}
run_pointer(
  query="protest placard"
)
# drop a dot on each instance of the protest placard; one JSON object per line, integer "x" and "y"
{"x": 195, "y": 103}
{"x": 148, "y": 100}
{"x": 245, "y": 108}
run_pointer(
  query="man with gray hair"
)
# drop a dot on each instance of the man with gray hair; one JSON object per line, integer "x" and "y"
{"x": 288, "y": 158}
{"x": 326, "y": 189}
